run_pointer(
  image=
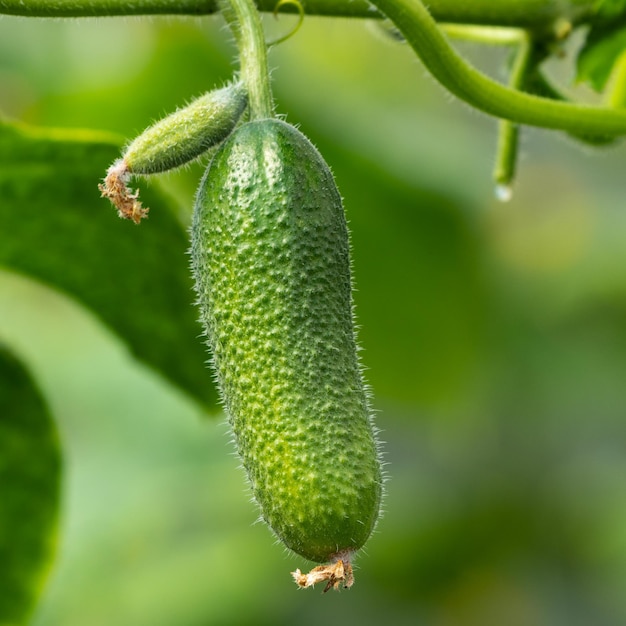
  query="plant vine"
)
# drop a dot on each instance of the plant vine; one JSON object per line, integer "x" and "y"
{"x": 243, "y": 20}
{"x": 534, "y": 27}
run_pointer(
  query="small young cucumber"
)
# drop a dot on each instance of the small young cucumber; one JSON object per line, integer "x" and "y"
{"x": 185, "y": 134}
{"x": 173, "y": 141}
{"x": 270, "y": 255}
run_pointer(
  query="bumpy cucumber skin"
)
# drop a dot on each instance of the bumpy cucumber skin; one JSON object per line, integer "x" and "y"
{"x": 270, "y": 254}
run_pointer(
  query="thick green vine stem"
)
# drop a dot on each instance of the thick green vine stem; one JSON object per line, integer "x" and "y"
{"x": 538, "y": 84}
{"x": 453, "y": 72}
{"x": 245, "y": 23}
{"x": 542, "y": 17}
{"x": 536, "y": 15}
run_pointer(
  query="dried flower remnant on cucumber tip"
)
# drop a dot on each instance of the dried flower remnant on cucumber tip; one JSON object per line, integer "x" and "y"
{"x": 125, "y": 200}
{"x": 336, "y": 575}
{"x": 173, "y": 141}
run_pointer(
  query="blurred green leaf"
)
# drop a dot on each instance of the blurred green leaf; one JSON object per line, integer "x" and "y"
{"x": 420, "y": 284}
{"x": 56, "y": 228}
{"x": 610, "y": 8}
{"x": 145, "y": 76}
{"x": 598, "y": 56}
{"x": 30, "y": 469}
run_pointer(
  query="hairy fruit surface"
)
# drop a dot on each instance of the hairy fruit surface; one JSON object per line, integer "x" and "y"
{"x": 270, "y": 255}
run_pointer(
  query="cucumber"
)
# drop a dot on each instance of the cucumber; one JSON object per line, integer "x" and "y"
{"x": 270, "y": 256}
{"x": 187, "y": 133}
{"x": 173, "y": 141}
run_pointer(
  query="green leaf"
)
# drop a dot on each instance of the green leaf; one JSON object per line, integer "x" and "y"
{"x": 30, "y": 470}
{"x": 55, "y": 227}
{"x": 610, "y": 9}
{"x": 420, "y": 297}
{"x": 602, "y": 49}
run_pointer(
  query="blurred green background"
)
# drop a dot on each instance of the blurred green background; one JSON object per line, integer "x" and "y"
{"x": 494, "y": 338}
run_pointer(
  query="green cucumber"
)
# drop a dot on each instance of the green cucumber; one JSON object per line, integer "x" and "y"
{"x": 173, "y": 141}
{"x": 187, "y": 133}
{"x": 270, "y": 255}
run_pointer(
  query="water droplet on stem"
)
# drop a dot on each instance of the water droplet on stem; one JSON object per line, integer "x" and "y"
{"x": 503, "y": 192}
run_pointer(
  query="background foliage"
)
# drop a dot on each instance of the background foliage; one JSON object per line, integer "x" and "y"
{"x": 494, "y": 336}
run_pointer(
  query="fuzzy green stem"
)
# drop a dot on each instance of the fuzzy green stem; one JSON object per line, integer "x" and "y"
{"x": 453, "y": 72}
{"x": 422, "y": 32}
{"x": 245, "y": 23}
{"x": 535, "y": 15}
{"x": 100, "y": 8}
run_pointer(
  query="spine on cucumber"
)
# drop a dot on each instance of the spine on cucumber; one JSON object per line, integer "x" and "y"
{"x": 270, "y": 255}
